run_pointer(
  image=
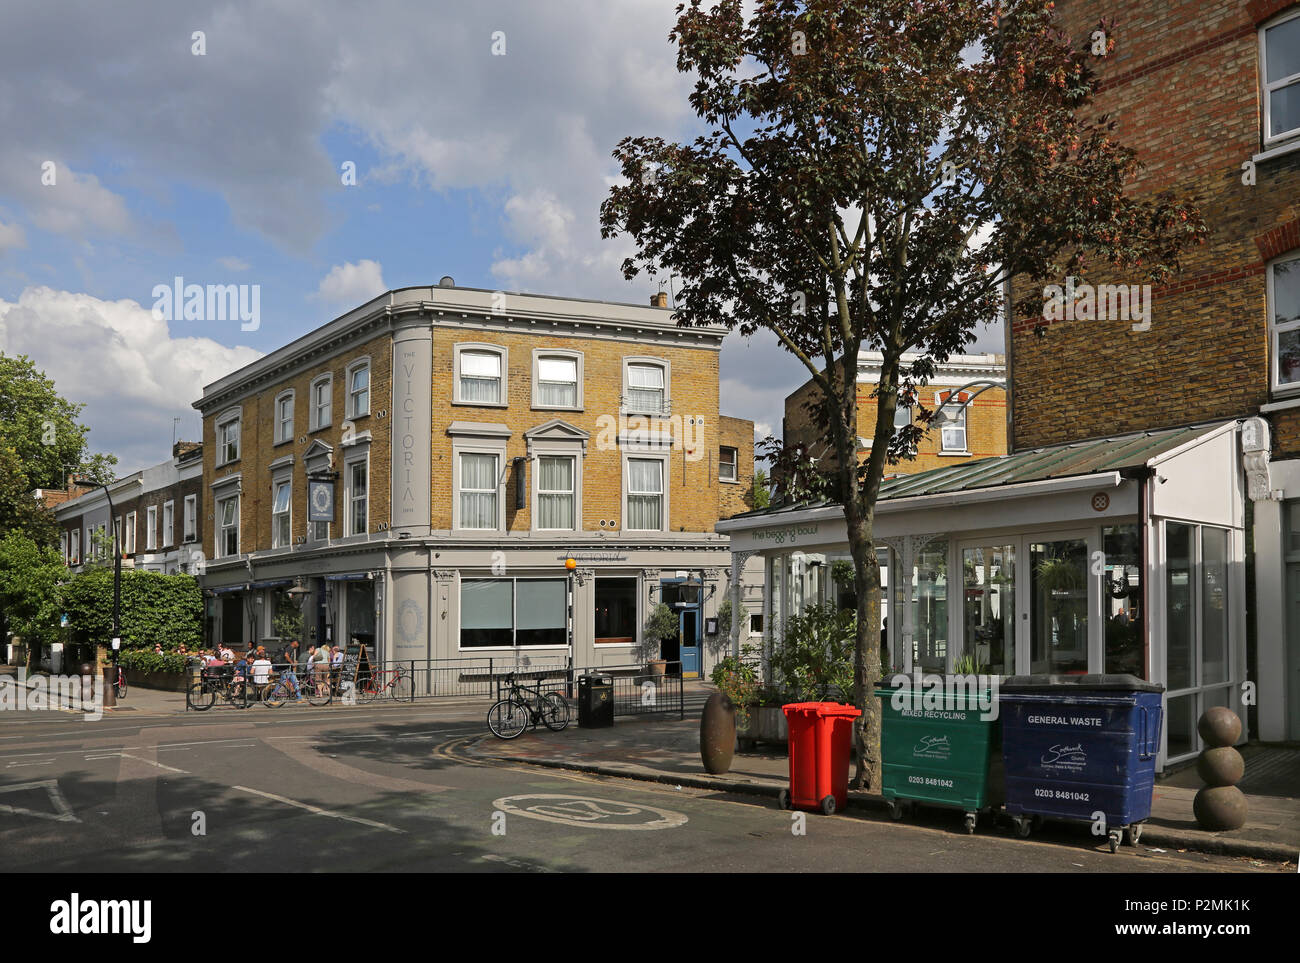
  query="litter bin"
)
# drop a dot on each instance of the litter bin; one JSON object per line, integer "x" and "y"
{"x": 1075, "y": 746}
{"x": 595, "y": 701}
{"x": 945, "y": 754}
{"x": 819, "y": 755}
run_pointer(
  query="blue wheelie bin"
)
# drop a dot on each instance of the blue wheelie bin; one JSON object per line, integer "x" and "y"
{"x": 1075, "y": 746}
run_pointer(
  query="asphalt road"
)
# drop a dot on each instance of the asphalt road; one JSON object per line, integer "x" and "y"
{"x": 391, "y": 788}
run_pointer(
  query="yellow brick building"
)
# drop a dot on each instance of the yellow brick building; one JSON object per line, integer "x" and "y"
{"x": 423, "y": 466}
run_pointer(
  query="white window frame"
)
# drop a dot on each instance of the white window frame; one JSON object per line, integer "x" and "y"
{"x": 503, "y": 393}
{"x": 666, "y": 407}
{"x": 221, "y": 528}
{"x": 190, "y": 532}
{"x": 63, "y": 546}
{"x": 665, "y": 518}
{"x": 276, "y": 485}
{"x": 735, "y": 465}
{"x": 1275, "y": 330}
{"x": 151, "y": 528}
{"x": 315, "y": 419}
{"x": 128, "y": 536}
{"x": 541, "y": 354}
{"x": 282, "y": 436}
{"x": 479, "y": 447}
{"x": 224, "y": 420}
{"x": 1267, "y": 89}
{"x": 955, "y": 411}
{"x": 169, "y": 523}
{"x": 349, "y": 515}
{"x": 75, "y": 547}
{"x": 575, "y": 492}
{"x": 353, "y": 368}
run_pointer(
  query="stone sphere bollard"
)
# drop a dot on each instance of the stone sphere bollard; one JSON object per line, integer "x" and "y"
{"x": 1220, "y": 805}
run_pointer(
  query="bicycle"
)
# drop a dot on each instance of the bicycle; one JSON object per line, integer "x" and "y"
{"x": 119, "y": 685}
{"x": 510, "y": 716}
{"x": 202, "y": 695}
{"x": 395, "y": 682}
{"x": 281, "y": 691}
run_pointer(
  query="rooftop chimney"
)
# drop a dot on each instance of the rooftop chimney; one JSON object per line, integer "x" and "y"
{"x": 660, "y": 300}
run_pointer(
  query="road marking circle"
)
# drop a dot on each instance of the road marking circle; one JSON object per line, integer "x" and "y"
{"x": 589, "y": 812}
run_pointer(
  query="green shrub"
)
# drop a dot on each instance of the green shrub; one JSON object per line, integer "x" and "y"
{"x": 813, "y": 661}
{"x": 146, "y": 660}
{"x": 157, "y": 609}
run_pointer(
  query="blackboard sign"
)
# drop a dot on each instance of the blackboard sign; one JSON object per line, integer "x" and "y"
{"x": 356, "y": 662}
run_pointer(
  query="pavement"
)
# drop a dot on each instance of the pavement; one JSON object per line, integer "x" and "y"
{"x": 665, "y": 750}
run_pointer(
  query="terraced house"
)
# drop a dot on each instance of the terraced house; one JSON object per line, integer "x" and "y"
{"x": 421, "y": 470}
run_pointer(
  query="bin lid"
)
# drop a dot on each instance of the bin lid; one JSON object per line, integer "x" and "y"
{"x": 1110, "y": 682}
{"x": 821, "y": 709}
{"x": 595, "y": 678}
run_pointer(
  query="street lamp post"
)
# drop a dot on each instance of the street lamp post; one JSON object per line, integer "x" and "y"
{"x": 940, "y": 418}
{"x": 110, "y": 673}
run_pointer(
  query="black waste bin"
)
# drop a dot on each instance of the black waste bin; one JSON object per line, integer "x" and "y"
{"x": 595, "y": 701}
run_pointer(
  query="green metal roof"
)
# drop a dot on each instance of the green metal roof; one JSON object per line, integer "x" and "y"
{"x": 1034, "y": 464}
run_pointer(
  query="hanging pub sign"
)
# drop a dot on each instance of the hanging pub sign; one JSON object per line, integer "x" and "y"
{"x": 320, "y": 501}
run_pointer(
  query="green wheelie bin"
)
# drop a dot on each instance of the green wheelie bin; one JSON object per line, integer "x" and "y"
{"x": 942, "y": 747}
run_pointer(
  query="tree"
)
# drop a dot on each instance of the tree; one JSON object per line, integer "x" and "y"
{"x": 871, "y": 173}
{"x": 762, "y": 497}
{"x": 41, "y": 443}
{"x": 166, "y": 610}
{"x": 29, "y": 589}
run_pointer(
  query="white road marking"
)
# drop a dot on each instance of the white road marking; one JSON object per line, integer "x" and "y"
{"x": 64, "y": 813}
{"x": 127, "y": 755}
{"x": 13, "y": 765}
{"x": 320, "y": 812}
{"x": 588, "y": 811}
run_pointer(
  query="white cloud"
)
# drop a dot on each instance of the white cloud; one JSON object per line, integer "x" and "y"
{"x": 11, "y": 236}
{"x": 76, "y": 205}
{"x": 129, "y": 369}
{"x": 233, "y": 263}
{"x": 351, "y": 284}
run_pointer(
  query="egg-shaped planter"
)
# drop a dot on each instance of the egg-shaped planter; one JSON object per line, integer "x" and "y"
{"x": 717, "y": 734}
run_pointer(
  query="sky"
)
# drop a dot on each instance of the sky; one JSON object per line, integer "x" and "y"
{"x": 480, "y": 136}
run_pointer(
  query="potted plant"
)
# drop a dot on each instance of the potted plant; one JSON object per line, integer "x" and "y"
{"x": 661, "y": 625}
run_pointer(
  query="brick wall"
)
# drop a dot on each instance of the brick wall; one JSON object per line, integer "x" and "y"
{"x": 258, "y": 448}
{"x": 1183, "y": 87}
{"x": 738, "y": 497}
{"x": 693, "y": 372}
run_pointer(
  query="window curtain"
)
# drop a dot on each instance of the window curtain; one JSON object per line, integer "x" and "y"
{"x": 480, "y": 376}
{"x": 645, "y": 387}
{"x": 558, "y": 382}
{"x": 478, "y": 490}
{"x": 554, "y": 492}
{"x": 645, "y": 494}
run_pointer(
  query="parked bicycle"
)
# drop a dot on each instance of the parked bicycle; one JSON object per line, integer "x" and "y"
{"x": 203, "y": 694}
{"x": 395, "y": 683}
{"x": 119, "y": 685}
{"x": 316, "y": 691}
{"x": 524, "y": 707}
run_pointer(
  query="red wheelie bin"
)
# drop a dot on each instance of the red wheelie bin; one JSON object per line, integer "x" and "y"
{"x": 820, "y": 734}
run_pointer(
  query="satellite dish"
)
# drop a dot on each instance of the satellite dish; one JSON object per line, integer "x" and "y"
{"x": 447, "y": 281}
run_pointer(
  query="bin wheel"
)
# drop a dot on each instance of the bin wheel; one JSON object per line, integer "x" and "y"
{"x": 970, "y": 823}
{"x": 1132, "y": 834}
{"x": 783, "y": 799}
{"x": 895, "y": 809}
{"x": 1024, "y": 827}
{"x": 828, "y": 805}
{"x": 1113, "y": 836}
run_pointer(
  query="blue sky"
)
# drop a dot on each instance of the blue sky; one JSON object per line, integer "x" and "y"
{"x": 224, "y": 168}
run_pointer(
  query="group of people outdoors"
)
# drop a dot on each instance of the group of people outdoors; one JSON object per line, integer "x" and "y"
{"x": 322, "y": 664}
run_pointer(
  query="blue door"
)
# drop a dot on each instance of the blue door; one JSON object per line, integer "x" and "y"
{"x": 690, "y": 643}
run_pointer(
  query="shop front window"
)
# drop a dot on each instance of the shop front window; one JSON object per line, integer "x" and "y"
{"x": 1058, "y": 599}
{"x": 989, "y": 609}
{"x": 930, "y": 608}
{"x": 1122, "y": 601}
{"x": 361, "y": 615}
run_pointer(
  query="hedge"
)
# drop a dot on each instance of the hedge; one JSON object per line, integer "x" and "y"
{"x": 156, "y": 609}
